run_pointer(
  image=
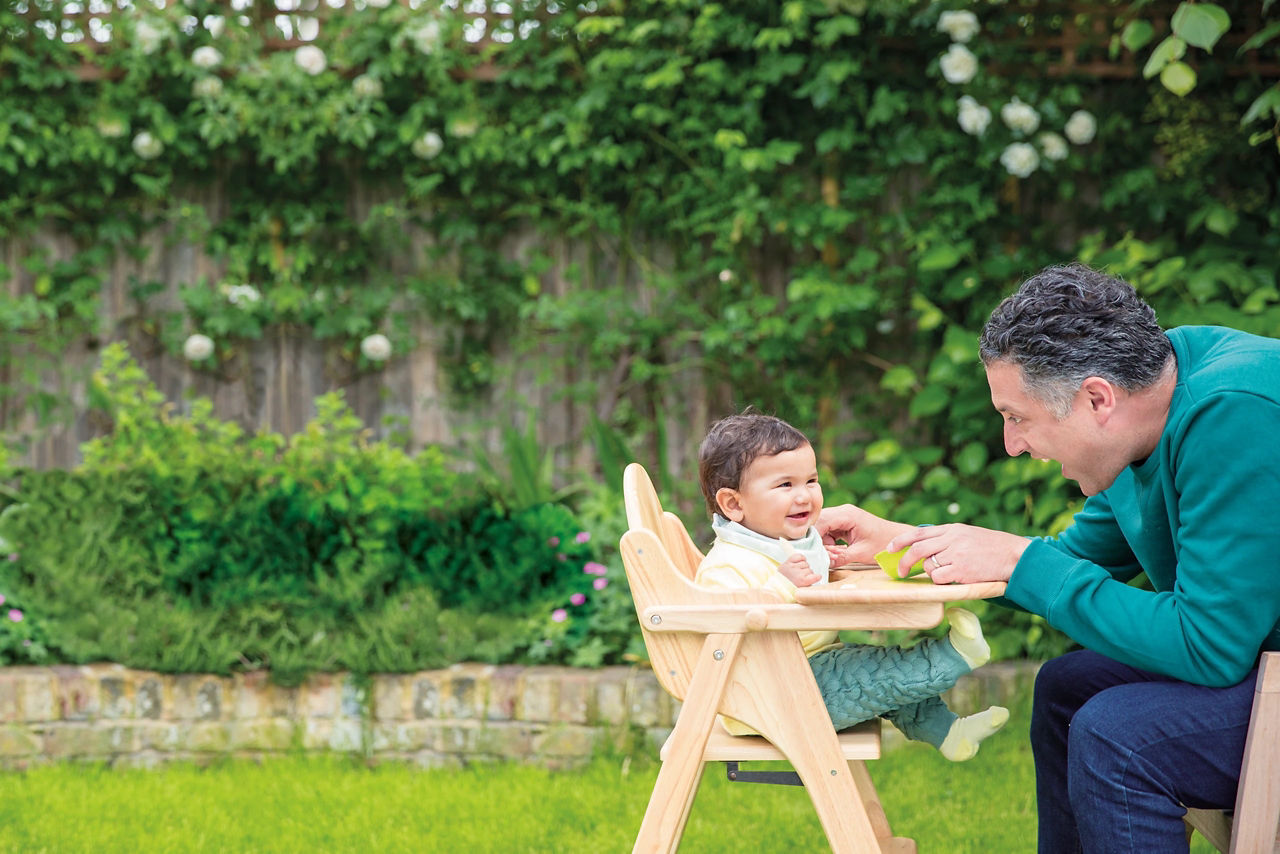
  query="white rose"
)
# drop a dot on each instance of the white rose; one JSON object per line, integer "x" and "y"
{"x": 958, "y": 64}
{"x": 973, "y": 117}
{"x": 310, "y": 59}
{"x": 1081, "y": 127}
{"x": 207, "y": 87}
{"x": 147, "y": 146}
{"x": 376, "y": 347}
{"x": 197, "y": 348}
{"x": 425, "y": 36}
{"x": 367, "y": 86}
{"x": 1019, "y": 117}
{"x": 726, "y": 276}
{"x": 215, "y": 24}
{"x": 206, "y": 57}
{"x": 428, "y": 145}
{"x": 1053, "y": 146}
{"x": 961, "y": 26}
{"x": 377, "y": 4}
{"x": 147, "y": 36}
{"x": 1020, "y": 159}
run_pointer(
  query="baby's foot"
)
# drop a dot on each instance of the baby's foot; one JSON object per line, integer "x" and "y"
{"x": 967, "y": 733}
{"x": 966, "y": 637}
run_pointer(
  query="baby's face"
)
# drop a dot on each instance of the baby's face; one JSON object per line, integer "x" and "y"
{"x": 780, "y": 496}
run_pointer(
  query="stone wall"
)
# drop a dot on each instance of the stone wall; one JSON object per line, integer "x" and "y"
{"x": 552, "y": 716}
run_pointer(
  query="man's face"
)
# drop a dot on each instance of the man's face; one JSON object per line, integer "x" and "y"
{"x": 778, "y": 496}
{"x": 1078, "y": 442}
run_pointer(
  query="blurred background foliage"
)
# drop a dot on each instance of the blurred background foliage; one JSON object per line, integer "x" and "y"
{"x": 824, "y": 198}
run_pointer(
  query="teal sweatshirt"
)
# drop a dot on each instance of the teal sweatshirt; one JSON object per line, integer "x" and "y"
{"x": 1199, "y": 517}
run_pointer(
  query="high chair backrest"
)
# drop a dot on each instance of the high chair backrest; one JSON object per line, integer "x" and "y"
{"x": 644, "y": 510}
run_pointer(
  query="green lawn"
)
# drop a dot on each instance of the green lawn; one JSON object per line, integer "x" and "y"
{"x": 336, "y": 805}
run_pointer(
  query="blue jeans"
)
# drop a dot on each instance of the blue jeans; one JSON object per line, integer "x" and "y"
{"x": 1120, "y": 753}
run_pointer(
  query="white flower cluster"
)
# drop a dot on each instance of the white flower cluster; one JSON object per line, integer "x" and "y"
{"x": 425, "y": 36}
{"x": 1081, "y": 127}
{"x": 241, "y": 296}
{"x": 428, "y": 145}
{"x": 147, "y": 146}
{"x": 1020, "y": 159}
{"x": 367, "y": 86}
{"x": 958, "y": 66}
{"x": 310, "y": 59}
{"x": 206, "y": 57}
{"x": 1020, "y": 118}
{"x": 973, "y": 117}
{"x": 207, "y": 87}
{"x": 197, "y": 348}
{"x": 376, "y": 347}
{"x": 960, "y": 25}
{"x": 148, "y": 36}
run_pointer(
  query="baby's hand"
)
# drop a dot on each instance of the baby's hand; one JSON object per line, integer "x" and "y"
{"x": 796, "y": 570}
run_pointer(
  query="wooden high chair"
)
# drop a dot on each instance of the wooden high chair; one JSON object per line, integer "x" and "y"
{"x": 1254, "y": 826}
{"x": 736, "y": 653}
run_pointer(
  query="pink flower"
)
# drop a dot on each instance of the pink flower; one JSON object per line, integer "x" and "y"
{"x": 13, "y": 555}
{"x": 1, "y": 598}
{"x": 600, "y": 583}
{"x": 15, "y": 615}
{"x": 559, "y": 615}
{"x": 562, "y": 556}
{"x": 553, "y": 541}
{"x": 583, "y": 536}
{"x": 577, "y": 598}
{"x": 593, "y": 568}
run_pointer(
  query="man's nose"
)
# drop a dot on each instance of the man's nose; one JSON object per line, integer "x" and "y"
{"x": 1013, "y": 444}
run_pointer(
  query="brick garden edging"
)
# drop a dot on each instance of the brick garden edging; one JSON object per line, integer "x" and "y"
{"x": 553, "y": 716}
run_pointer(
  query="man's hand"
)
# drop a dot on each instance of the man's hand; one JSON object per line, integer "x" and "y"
{"x": 863, "y": 533}
{"x": 796, "y": 570}
{"x": 959, "y": 554}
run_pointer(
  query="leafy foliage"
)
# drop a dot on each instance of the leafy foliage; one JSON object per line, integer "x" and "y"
{"x": 182, "y": 544}
{"x": 791, "y": 203}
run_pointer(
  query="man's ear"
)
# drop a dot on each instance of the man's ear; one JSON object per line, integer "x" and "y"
{"x": 730, "y": 506}
{"x": 1100, "y": 395}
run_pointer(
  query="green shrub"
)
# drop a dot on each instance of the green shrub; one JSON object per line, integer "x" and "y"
{"x": 182, "y": 544}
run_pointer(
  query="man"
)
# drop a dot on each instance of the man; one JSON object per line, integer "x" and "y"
{"x": 1175, "y": 439}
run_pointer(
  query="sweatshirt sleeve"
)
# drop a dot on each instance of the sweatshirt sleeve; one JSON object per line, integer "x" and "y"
{"x": 1215, "y": 605}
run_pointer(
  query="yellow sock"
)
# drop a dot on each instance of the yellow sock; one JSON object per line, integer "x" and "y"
{"x": 966, "y": 637}
{"x": 968, "y": 733}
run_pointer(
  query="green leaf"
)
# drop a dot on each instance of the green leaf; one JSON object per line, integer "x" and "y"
{"x": 941, "y": 257}
{"x": 931, "y": 400}
{"x": 1260, "y": 38}
{"x": 898, "y": 474}
{"x": 1267, "y": 101}
{"x": 882, "y": 451}
{"x": 1178, "y": 77}
{"x": 1221, "y": 220}
{"x": 1167, "y": 51}
{"x": 972, "y": 458}
{"x": 1200, "y": 24}
{"x": 1137, "y": 35}
{"x": 899, "y": 379}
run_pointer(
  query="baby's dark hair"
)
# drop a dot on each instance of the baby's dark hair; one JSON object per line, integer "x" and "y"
{"x": 733, "y": 443}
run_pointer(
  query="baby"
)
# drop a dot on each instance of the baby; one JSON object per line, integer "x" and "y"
{"x": 759, "y": 476}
